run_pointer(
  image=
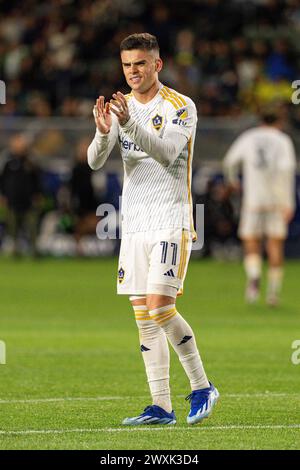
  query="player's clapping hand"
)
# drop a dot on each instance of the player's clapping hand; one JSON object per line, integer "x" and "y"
{"x": 102, "y": 115}
{"x": 119, "y": 107}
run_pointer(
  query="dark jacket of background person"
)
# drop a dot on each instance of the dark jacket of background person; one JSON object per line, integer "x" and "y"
{"x": 82, "y": 190}
{"x": 19, "y": 183}
{"x": 220, "y": 223}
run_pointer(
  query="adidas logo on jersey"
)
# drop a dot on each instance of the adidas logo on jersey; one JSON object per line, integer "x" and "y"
{"x": 170, "y": 273}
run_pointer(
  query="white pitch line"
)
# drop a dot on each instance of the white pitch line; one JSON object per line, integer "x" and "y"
{"x": 140, "y": 397}
{"x": 151, "y": 428}
{"x": 64, "y": 399}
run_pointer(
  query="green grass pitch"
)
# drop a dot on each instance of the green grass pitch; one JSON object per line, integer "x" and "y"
{"x": 74, "y": 369}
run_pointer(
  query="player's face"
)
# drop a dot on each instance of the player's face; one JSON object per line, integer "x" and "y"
{"x": 141, "y": 68}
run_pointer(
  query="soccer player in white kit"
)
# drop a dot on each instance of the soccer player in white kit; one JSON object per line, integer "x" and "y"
{"x": 267, "y": 158}
{"x": 155, "y": 128}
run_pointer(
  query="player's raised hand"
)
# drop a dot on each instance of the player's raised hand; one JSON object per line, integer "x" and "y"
{"x": 102, "y": 115}
{"x": 120, "y": 108}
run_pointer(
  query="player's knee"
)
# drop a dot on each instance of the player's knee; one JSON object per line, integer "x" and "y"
{"x": 137, "y": 300}
{"x": 154, "y": 301}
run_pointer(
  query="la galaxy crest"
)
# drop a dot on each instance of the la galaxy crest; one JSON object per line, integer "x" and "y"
{"x": 157, "y": 121}
{"x": 121, "y": 275}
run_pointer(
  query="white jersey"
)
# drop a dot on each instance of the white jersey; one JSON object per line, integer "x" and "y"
{"x": 157, "y": 150}
{"x": 268, "y": 162}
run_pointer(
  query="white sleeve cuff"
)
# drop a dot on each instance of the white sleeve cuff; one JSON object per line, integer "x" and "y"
{"x": 99, "y": 136}
{"x": 128, "y": 124}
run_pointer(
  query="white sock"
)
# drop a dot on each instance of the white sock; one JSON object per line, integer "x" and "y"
{"x": 253, "y": 264}
{"x": 156, "y": 356}
{"x": 275, "y": 276}
{"x": 181, "y": 337}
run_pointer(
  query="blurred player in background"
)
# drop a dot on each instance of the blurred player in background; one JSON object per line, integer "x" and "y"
{"x": 83, "y": 195}
{"x": 267, "y": 158}
{"x": 155, "y": 128}
{"x": 20, "y": 191}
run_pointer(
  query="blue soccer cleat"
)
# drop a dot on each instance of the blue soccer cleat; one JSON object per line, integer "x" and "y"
{"x": 151, "y": 415}
{"x": 202, "y": 403}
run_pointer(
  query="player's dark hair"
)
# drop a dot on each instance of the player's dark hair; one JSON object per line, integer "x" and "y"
{"x": 270, "y": 113}
{"x": 144, "y": 41}
{"x": 270, "y": 118}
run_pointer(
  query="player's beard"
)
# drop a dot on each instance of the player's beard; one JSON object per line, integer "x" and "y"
{"x": 144, "y": 86}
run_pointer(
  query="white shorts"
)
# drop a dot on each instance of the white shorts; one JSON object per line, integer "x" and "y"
{"x": 264, "y": 223}
{"x": 154, "y": 262}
